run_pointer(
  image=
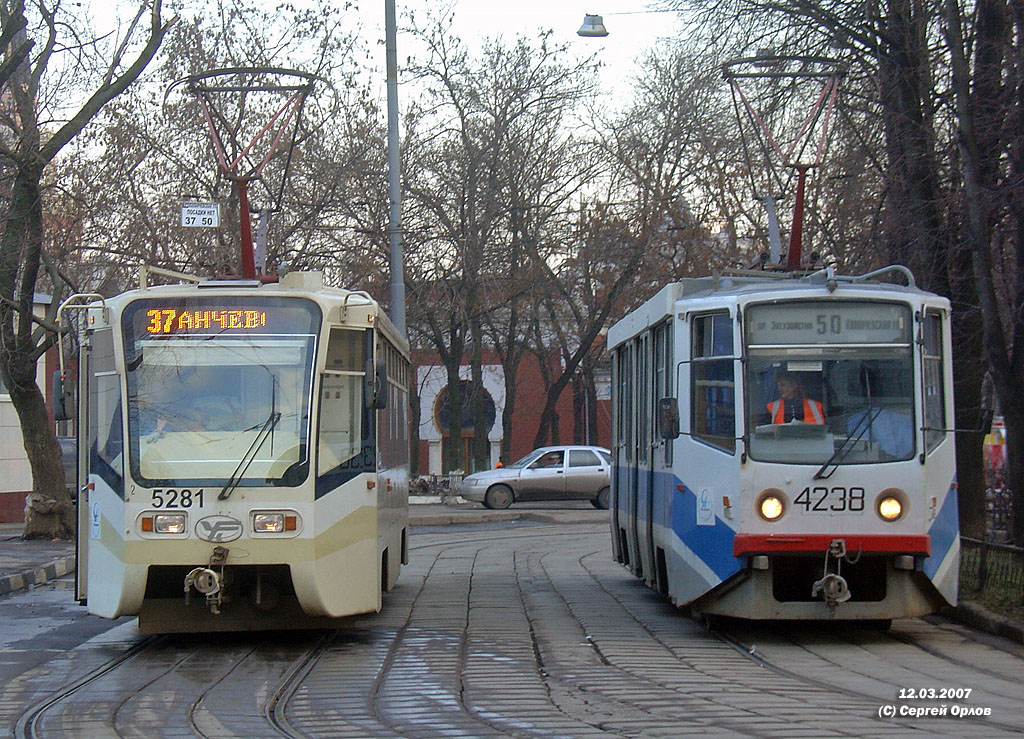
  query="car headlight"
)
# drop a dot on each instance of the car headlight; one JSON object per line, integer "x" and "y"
{"x": 164, "y": 523}
{"x": 771, "y": 505}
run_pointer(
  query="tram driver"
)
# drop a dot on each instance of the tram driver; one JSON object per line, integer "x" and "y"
{"x": 792, "y": 404}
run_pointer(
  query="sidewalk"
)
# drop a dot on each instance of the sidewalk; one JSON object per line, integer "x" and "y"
{"x": 27, "y": 563}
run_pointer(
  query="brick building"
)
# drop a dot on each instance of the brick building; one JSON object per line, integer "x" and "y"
{"x": 435, "y": 431}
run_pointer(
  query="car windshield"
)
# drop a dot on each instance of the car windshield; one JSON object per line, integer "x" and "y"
{"x": 207, "y": 406}
{"x": 527, "y": 460}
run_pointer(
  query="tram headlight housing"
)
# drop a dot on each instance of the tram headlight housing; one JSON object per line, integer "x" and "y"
{"x": 167, "y": 523}
{"x": 891, "y": 504}
{"x": 771, "y": 504}
{"x": 275, "y": 522}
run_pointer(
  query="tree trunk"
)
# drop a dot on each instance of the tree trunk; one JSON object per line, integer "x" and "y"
{"x": 49, "y": 512}
{"x": 481, "y": 445}
{"x": 414, "y": 423}
{"x": 453, "y": 451}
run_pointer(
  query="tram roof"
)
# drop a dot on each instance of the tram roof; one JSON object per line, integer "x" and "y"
{"x": 739, "y": 285}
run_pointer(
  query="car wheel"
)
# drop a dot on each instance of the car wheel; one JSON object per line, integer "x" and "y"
{"x": 601, "y": 499}
{"x": 500, "y": 496}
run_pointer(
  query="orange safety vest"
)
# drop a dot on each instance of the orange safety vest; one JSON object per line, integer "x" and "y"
{"x": 812, "y": 411}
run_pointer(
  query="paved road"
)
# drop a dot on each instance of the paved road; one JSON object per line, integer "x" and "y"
{"x": 525, "y": 630}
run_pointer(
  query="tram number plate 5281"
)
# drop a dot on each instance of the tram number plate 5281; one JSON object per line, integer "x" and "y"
{"x": 167, "y": 498}
{"x": 831, "y": 500}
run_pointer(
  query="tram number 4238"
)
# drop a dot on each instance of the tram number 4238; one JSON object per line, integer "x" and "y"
{"x": 167, "y": 498}
{"x": 835, "y": 500}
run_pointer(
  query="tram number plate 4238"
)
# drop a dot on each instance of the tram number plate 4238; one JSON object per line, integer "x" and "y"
{"x": 831, "y": 500}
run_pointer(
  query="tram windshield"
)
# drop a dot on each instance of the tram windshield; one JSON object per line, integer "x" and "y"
{"x": 830, "y": 382}
{"x": 219, "y": 388}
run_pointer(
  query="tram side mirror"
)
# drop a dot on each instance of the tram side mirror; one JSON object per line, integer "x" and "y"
{"x": 63, "y": 397}
{"x": 380, "y": 385}
{"x": 668, "y": 418}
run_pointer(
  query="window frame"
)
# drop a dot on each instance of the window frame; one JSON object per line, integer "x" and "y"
{"x": 699, "y": 360}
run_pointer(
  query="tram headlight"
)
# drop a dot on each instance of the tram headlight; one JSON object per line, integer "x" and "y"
{"x": 268, "y": 523}
{"x": 771, "y": 505}
{"x": 274, "y": 522}
{"x": 169, "y": 523}
{"x": 890, "y": 505}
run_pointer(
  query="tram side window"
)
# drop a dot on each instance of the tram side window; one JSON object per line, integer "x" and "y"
{"x": 713, "y": 394}
{"x": 934, "y": 393}
{"x": 341, "y": 400}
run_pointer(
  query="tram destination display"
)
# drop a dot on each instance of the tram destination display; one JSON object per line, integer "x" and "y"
{"x": 834, "y": 322}
{"x": 221, "y": 315}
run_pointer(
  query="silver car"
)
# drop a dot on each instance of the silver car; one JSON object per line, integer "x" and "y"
{"x": 548, "y": 473}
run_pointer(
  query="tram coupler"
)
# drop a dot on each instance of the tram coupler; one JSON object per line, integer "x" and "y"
{"x": 209, "y": 582}
{"x": 832, "y": 586}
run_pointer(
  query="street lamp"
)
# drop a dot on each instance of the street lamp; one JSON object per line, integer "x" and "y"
{"x": 593, "y": 27}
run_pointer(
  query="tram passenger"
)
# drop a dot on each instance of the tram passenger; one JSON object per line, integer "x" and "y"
{"x": 792, "y": 404}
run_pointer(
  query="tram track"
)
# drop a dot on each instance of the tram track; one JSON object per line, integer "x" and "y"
{"x": 28, "y": 725}
{"x": 275, "y": 708}
{"x": 750, "y": 652}
{"x": 555, "y": 623}
{"x": 634, "y": 675}
{"x": 195, "y": 722}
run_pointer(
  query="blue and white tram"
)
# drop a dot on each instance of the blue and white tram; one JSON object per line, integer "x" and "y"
{"x": 245, "y": 457}
{"x": 843, "y": 507}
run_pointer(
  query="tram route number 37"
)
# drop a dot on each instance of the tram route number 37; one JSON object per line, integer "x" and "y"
{"x": 831, "y": 500}
{"x": 167, "y": 498}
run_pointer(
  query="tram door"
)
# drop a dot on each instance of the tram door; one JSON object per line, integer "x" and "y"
{"x": 624, "y": 450}
{"x": 82, "y": 427}
{"x": 641, "y": 492}
{"x": 662, "y": 482}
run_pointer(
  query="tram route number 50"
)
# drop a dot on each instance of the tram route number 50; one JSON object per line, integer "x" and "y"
{"x": 836, "y": 500}
{"x": 200, "y": 215}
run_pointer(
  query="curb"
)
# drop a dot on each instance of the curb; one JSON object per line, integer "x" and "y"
{"x": 981, "y": 618}
{"x": 50, "y": 571}
{"x": 464, "y": 518}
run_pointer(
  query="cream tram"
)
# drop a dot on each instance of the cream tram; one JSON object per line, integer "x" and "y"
{"x": 244, "y": 455}
{"x": 783, "y": 447}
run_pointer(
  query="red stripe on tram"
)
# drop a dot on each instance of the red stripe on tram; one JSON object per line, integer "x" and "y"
{"x": 868, "y": 543}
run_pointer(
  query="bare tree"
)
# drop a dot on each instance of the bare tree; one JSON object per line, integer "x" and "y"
{"x": 487, "y": 164}
{"x": 989, "y": 111}
{"x": 36, "y": 129}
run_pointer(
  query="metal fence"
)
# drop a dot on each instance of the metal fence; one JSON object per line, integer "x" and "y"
{"x": 443, "y": 485}
{"x": 997, "y": 568}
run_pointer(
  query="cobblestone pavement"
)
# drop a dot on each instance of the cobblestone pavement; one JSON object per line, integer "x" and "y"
{"x": 529, "y": 631}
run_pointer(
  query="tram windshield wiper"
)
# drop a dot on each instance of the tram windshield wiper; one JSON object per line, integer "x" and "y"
{"x": 848, "y": 445}
{"x": 249, "y": 456}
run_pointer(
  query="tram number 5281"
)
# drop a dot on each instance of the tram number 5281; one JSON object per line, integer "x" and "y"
{"x": 835, "y": 500}
{"x": 165, "y": 498}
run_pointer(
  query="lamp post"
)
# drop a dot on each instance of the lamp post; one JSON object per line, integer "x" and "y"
{"x": 394, "y": 173}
